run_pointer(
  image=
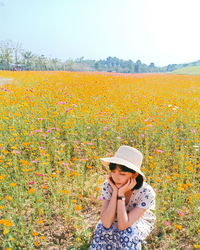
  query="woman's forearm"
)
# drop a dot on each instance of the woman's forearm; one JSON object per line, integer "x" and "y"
{"x": 109, "y": 214}
{"x": 122, "y": 217}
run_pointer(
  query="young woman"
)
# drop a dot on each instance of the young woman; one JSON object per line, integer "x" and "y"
{"x": 126, "y": 218}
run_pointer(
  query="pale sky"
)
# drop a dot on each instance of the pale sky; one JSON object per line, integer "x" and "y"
{"x": 159, "y": 31}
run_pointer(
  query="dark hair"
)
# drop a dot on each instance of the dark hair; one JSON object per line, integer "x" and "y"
{"x": 139, "y": 178}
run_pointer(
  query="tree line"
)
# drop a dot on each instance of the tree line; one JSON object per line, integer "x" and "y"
{"x": 14, "y": 57}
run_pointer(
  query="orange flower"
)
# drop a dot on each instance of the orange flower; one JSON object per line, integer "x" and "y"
{"x": 35, "y": 233}
{"x": 78, "y": 207}
{"x": 178, "y": 227}
{"x": 65, "y": 191}
{"x": 31, "y": 190}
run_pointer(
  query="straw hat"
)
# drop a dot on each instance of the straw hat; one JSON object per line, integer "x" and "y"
{"x": 127, "y": 156}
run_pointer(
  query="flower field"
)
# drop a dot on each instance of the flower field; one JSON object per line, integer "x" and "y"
{"x": 54, "y": 127}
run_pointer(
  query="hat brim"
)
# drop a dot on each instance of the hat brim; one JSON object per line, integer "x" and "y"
{"x": 106, "y": 161}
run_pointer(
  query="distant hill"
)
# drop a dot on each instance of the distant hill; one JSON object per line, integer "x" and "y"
{"x": 172, "y": 67}
{"x": 194, "y": 70}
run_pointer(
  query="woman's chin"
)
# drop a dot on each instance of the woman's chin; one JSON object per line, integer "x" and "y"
{"x": 118, "y": 185}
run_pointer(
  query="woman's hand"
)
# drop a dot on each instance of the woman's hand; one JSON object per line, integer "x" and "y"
{"x": 110, "y": 181}
{"x": 127, "y": 186}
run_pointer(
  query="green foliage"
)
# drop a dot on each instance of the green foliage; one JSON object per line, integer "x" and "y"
{"x": 194, "y": 70}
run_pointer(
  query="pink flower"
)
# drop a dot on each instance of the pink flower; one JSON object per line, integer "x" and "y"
{"x": 193, "y": 130}
{"x": 180, "y": 213}
{"x": 167, "y": 223}
{"x": 49, "y": 130}
{"x": 61, "y": 102}
{"x": 118, "y": 137}
{"x": 38, "y": 130}
{"x": 65, "y": 164}
{"x": 105, "y": 128}
{"x": 141, "y": 135}
{"x": 160, "y": 151}
{"x": 31, "y": 183}
{"x": 67, "y": 110}
{"x": 84, "y": 159}
{"x": 39, "y": 174}
{"x": 35, "y": 161}
{"x": 16, "y": 152}
{"x": 40, "y": 118}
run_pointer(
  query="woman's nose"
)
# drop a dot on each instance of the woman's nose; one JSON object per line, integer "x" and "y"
{"x": 117, "y": 178}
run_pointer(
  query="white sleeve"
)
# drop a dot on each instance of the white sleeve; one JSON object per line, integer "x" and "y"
{"x": 106, "y": 191}
{"x": 146, "y": 198}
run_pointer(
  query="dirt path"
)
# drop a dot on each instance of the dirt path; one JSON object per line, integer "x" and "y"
{"x": 5, "y": 80}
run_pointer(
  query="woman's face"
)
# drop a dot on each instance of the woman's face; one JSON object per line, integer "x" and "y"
{"x": 120, "y": 177}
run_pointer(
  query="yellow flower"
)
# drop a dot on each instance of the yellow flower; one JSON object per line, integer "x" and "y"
{"x": 40, "y": 221}
{"x": 42, "y": 237}
{"x": 12, "y": 184}
{"x": 27, "y": 169}
{"x": 5, "y": 231}
{"x": 196, "y": 246}
{"x": 2, "y": 177}
{"x": 8, "y": 198}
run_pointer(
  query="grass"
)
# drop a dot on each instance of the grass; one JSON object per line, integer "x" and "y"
{"x": 193, "y": 70}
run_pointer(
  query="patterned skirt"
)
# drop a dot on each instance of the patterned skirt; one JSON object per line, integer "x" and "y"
{"x": 115, "y": 239}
